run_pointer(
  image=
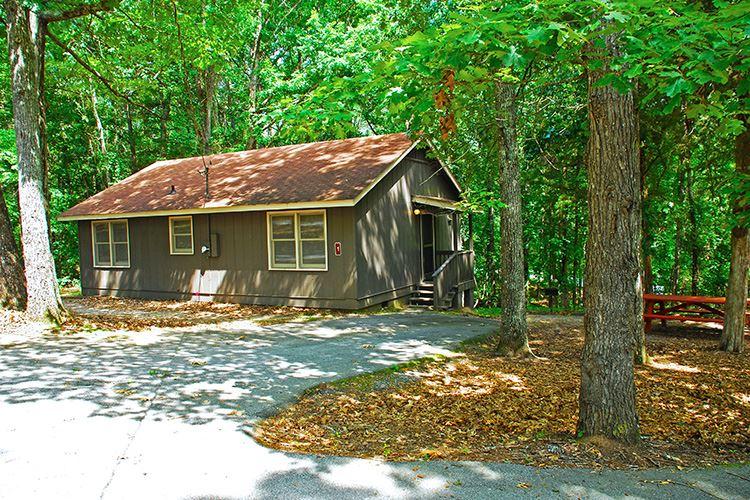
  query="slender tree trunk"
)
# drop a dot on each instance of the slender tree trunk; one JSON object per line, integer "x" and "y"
{"x": 612, "y": 295}
{"x": 101, "y": 135}
{"x": 206, "y": 90}
{"x": 674, "y": 278}
{"x": 99, "y": 127}
{"x": 576, "y": 260}
{"x": 26, "y": 34}
{"x": 732, "y": 336}
{"x": 163, "y": 130}
{"x": 254, "y": 83}
{"x": 641, "y": 355}
{"x": 131, "y": 139}
{"x": 686, "y": 157}
{"x": 12, "y": 284}
{"x": 490, "y": 256}
{"x": 515, "y": 339}
{"x": 693, "y": 235}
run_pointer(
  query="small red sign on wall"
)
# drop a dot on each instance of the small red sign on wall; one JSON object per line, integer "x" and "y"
{"x": 337, "y": 248}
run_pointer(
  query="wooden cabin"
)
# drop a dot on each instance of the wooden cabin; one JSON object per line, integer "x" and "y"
{"x": 341, "y": 224}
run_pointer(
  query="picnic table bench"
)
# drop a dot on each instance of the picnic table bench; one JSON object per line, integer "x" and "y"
{"x": 684, "y": 308}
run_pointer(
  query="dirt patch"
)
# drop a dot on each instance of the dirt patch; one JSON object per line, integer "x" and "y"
{"x": 694, "y": 405}
{"x": 112, "y": 313}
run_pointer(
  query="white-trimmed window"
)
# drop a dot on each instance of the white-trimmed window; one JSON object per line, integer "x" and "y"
{"x": 111, "y": 245}
{"x": 297, "y": 240}
{"x": 181, "y": 235}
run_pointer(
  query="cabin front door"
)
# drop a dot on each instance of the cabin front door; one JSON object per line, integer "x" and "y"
{"x": 427, "y": 223}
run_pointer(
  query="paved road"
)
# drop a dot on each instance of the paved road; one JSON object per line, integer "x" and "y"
{"x": 164, "y": 415}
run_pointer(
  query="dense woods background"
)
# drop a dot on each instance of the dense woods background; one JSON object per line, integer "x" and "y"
{"x": 160, "y": 79}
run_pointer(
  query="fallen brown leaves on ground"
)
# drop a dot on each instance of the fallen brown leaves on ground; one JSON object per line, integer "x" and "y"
{"x": 114, "y": 313}
{"x": 693, "y": 401}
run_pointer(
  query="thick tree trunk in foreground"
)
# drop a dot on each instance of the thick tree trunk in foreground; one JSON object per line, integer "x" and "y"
{"x": 26, "y": 33}
{"x": 732, "y": 336}
{"x": 12, "y": 284}
{"x": 612, "y": 294}
{"x": 515, "y": 339}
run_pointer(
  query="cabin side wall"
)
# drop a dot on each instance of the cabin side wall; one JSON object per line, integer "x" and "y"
{"x": 240, "y": 272}
{"x": 388, "y": 243}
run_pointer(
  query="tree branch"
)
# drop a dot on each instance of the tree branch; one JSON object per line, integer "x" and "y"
{"x": 80, "y": 11}
{"x": 94, "y": 72}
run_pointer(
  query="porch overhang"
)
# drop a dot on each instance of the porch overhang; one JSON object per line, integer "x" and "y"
{"x": 433, "y": 205}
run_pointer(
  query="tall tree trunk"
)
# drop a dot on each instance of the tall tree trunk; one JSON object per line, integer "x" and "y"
{"x": 732, "y": 336}
{"x": 163, "y": 130}
{"x": 26, "y": 36}
{"x": 490, "y": 256}
{"x": 99, "y": 127}
{"x": 515, "y": 339}
{"x": 641, "y": 355}
{"x": 206, "y": 90}
{"x": 131, "y": 139}
{"x": 254, "y": 82}
{"x": 693, "y": 235}
{"x": 674, "y": 278}
{"x": 576, "y": 260}
{"x": 686, "y": 157}
{"x": 101, "y": 136}
{"x": 12, "y": 284}
{"x": 612, "y": 295}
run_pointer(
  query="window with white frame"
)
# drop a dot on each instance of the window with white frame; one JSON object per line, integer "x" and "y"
{"x": 297, "y": 240}
{"x": 181, "y": 235}
{"x": 111, "y": 243}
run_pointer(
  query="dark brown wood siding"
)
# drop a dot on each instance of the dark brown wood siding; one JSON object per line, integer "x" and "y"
{"x": 239, "y": 274}
{"x": 389, "y": 261}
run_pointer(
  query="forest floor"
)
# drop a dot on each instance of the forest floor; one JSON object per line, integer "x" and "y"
{"x": 115, "y": 313}
{"x": 693, "y": 402}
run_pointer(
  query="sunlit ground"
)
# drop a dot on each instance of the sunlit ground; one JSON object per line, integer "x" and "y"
{"x": 692, "y": 400}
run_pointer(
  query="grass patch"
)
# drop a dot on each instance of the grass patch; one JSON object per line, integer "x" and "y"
{"x": 495, "y": 312}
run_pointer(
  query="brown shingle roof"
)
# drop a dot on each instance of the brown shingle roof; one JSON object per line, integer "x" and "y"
{"x": 314, "y": 172}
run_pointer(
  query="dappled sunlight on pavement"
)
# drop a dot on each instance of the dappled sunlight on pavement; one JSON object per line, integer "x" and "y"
{"x": 169, "y": 413}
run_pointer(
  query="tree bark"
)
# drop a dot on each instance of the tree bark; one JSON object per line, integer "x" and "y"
{"x": 101, "y": 135}
{"x": 26, "y": 36}
{"x": 732, "y": 335}
{"x": 163, "y": 130}
{"x": 131, "y": 139}
{"x": 206, "y": 91}
{"x": 490, "y": 256}
{"x": 12, "y": 284}
{"x": 612, "y": 295}
{"x": 693, "y": 235}
{"x": 675, "y": 275}
{"x": 641, "y": 355}
{"x": 515, "y": 339}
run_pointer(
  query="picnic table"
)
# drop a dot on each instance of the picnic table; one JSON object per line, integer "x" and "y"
{"x": 684, "y": 308}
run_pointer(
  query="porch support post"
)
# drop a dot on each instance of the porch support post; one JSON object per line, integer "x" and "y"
{"x": 454, "y": 216}
{"x": 470, "y": 243}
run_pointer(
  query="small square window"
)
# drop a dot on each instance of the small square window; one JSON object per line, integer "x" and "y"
{"x": 181, "y": 235}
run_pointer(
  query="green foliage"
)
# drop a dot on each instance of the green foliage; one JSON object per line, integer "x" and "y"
{"x": 272, "y": 72}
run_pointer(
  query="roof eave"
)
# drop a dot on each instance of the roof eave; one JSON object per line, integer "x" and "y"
{"x": 303, "y": 205}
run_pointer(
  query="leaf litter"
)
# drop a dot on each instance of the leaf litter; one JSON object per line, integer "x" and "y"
{"x": 693, "y": 402}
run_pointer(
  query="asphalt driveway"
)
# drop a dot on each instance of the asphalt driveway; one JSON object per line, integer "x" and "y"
{"x": 165, "y": 414}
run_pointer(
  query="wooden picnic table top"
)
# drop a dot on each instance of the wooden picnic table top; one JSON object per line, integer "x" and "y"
{"x": 686, "y": 299}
